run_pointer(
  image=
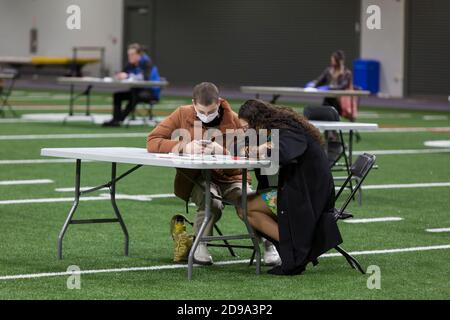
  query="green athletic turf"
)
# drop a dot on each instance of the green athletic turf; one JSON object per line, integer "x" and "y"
{"x": 29, "y": 231}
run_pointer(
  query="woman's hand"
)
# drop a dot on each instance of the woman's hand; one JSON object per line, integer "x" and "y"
{"x": 215, "y": 148}
{"x": 193, "y": 147}
{"x": 121, "y": 76}
{"x": 263, "y": 149}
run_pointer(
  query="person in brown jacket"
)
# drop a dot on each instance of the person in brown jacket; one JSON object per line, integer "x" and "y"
{"x": 207, "y": 111}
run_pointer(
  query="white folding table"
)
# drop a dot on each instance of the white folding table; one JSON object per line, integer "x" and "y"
{"x": 349, "y": 127}
{"x": 276, "y": 92}
{"x": 140, "y": 157}
{"x": 90, "y": 82}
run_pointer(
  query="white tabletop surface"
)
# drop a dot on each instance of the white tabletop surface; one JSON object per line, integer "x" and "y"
{"x": 344, "y": 126}
{"x": 110, "y": 82}
{"x": 7, "y": 75}
{"x": 141, "y": 156}
{"x": 13, "y": 59}
{"x": 294, "y": 91}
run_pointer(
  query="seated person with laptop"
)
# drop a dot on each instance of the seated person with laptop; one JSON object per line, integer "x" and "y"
{"x": 139, "y": 67}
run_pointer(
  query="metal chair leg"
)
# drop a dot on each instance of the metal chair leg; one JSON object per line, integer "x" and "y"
{"x": 351, "y": 261}
{"x": 252, "y": 258}
{"x": 227, "y": 244}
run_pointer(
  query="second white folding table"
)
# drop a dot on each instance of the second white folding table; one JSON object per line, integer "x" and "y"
{"x": 90, "y": 82}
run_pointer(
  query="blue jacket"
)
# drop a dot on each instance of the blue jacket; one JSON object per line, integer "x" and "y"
{"x": 148, "y": 71}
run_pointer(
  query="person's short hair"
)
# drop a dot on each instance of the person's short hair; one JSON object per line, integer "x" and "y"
{"x": 137, "y": 47}
{"x": 206, "y": 93}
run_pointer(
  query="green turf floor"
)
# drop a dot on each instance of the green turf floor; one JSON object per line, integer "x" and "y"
{"x": 29, "y": 231}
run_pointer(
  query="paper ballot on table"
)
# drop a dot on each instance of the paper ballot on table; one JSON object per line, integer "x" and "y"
{"x": 199, "y": 157}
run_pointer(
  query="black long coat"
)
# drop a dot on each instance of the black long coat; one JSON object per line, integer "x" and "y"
{"x": 306, "y": 194}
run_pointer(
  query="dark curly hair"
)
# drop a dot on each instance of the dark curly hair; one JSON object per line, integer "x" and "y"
{"x": 262, "y": 115}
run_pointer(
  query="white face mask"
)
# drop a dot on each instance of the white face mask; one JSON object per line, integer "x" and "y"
{"x": 207, "y": 118}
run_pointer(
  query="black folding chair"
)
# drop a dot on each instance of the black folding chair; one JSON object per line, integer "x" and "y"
{"x": 360, "y": 169}
{"x": 5, "y": 92}
{"x": 148, "y": 106}
{"x": 226, "y": 243}
{"x": 335, "y": 150}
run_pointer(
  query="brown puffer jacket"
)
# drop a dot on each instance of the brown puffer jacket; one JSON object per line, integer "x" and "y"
{"x": 159, "y": 141}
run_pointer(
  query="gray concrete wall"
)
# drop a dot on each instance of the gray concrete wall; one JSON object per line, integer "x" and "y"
{"x": 101, "y": 25}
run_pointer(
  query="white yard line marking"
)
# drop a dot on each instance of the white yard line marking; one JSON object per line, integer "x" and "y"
{"x": 74, "y": 136}
{"x": 20, "y": 182}
{"x": 62, "y": 107}
{"x": 411, "y": 129}
{"x": 50, "y": 200}
{"x": 149, "y": 197}
{"x": 402, "y": 152}
{"x": 72, "y": 189}
{"x": 375, "y": 115}
{"x": 153, "y": 196}
{"x": 386, "y": 251}
{"x": 438, "y": 230}
{"x": 406, "y": 185}
{"x": 437, "y": 143}
{"x": 369, "y": 220}
{"x": 184, "y": 266}
{"x": 435, "y": 117}
{"x": 141, "y": 197}
{"x": 17, "y": 121}
{"x": 101, "y": 197}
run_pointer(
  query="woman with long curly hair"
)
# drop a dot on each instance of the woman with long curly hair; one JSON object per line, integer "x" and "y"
{"x": 297, "y": 213}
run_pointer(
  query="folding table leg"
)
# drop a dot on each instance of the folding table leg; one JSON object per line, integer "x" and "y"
{"x": 350, "y": 160}
{"x": 198, "y": 238}
{"x": 88, "y": 100}
{"x": 71, "y": 99}
{"x": 112, "y": 190}
{"x": 257, "y": 252}
{"x": 5, "y": 103}
{"x": 72, "y": 210}
{"x": 78, "y": 193}
{"x": 346, "y": 159}
{"x": 350, "y": 147}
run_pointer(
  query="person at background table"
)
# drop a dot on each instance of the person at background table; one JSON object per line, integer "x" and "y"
{"x": 139, "y": 67}
{"x": 207, "y": 111}
{"x": 335, "y": 77}
{"x": 297, "y": 213}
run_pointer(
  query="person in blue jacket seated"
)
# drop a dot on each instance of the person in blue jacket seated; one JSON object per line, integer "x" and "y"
{"x": 295, "y": 214}
{"x": 335, "y": 77}
{"x": 139, "y": 67}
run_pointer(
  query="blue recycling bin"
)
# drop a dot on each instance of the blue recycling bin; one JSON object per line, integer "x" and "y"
{"x": 366, "y": 74}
